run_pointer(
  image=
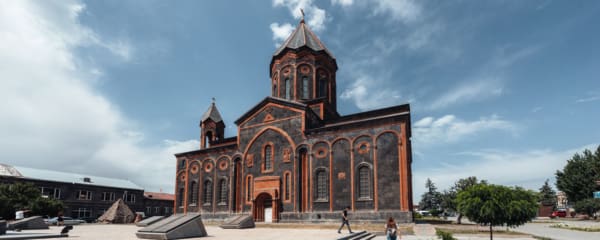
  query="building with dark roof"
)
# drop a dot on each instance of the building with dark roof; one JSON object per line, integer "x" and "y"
{"x": 295, "y": 158}
{"x": 84, "y": 196}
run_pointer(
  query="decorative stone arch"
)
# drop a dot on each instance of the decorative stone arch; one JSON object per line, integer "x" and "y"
{"x": 263, "y": 130}
{"x": 236, "y": 184}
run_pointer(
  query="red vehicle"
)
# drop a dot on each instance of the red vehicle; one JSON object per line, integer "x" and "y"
{"x": 559, "y": 213}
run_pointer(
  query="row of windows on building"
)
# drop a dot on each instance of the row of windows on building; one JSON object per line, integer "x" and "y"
{"x": 322, "y": 184}
{"x": 322, "y": 88}
{"x": 86, "y": 212}
{"x": 207, "y": 193}
{"x": 49, "y": 192}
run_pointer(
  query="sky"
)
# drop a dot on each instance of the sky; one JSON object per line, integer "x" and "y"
{"x": 506, "y": 91}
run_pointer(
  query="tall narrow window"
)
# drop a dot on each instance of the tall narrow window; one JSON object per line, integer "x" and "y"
{"x": 207, "y": 192}
{"x": 364, "y": 190}
{"x": 223, "y": 191}
{"x": 275, "y": 90}
{"x": 288, "y": 88}
{"x": 268, "y": 157}
{"x": 322, "y": 87}
{"x": 180, "y": 198}
{"x": 249, "y": 189}
{"x": 322, "y": 185}
{"x": 288, "y": 186}
{"x": 305, "y": 92}
{"x": 193, "y": 193}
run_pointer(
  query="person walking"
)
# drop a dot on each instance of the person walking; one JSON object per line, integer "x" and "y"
{"x": 345, "y": 220}
{"x": 391, "y": 229}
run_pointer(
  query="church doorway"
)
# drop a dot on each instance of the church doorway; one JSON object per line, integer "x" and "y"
{"x": 264, "y": 210}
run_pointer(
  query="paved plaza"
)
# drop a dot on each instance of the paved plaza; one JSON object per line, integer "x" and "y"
{"x": 127, "y": 232}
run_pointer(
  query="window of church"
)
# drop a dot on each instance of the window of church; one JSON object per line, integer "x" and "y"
{"x": 322, "y": 189}
{"x": 249, "y": 188}
{"x": 182, "y": 164}
{"x": 207, "y": 192}
{"x": 223, "y": 192}
{"x": 287, "y": 185}
{"x": 193, "y": 193}
{"x": 288, "y": 88}
{"x": 180, "y": 197}
{"x": 305, "y": 88}
{"x": 364, "y": 178}
{"x": 268, "y": 159}
{"x": 322, "y": 87}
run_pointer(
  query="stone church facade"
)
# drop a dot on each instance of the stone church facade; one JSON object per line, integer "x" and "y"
{"x": 295, "y": 158}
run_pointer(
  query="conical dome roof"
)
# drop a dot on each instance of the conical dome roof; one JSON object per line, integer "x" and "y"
{"x": 303, "y": 37}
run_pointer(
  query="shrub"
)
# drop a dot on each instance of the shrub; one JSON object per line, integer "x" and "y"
{"x": 444, "y": 235}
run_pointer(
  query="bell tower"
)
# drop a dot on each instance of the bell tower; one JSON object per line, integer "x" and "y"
{"x": 212, "y": 127}
{"x": 303, "y": 70}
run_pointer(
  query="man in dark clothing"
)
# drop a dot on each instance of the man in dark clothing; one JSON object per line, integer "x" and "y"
{"x": 345, "y": 220}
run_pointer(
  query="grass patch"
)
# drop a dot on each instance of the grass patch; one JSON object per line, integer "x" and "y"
{"x": 466, "y": 229}
{"x": 583, "y": 229}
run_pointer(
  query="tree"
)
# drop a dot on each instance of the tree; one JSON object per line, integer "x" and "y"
{"x": 448, "y": 197}
{"x": 547, "y": 195}
{"x": 588, "y": 206}
{"x": 495, "y": 205}
{"x": 579, "y": 176}
{"x": 430, "y": 200}
{"x": 21, "y": 196}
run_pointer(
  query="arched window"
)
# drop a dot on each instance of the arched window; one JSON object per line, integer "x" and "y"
{"x": 288, "y": 88}
{"x": 305, "y": 92}
{"x": 223, "y": 191}
{"x": 268, "y": 158}
{"x": 180, "y": 197}
{"x": 364, "y": 186}
{"x": 193, "y": 193}
{"x": 207, "y": 192}
{"x": 322, "y": 189}
{"x": 182, "y": 164}
{"x": 249, "y": 189}
{"x": 322, "y": 87}
{"x": 288, "y": 186}
{"x": 275, "y": 90}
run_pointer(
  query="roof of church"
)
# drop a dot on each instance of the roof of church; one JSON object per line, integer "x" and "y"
{"x": 212, "y": 113}
{"x": 303, "y": 37}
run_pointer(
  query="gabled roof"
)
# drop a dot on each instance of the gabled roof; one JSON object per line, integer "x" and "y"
{"x": 267, "y": 100}
{"x": 303, "y": 37}
{"x": 159, "y": 196}
{"x": 65, "y": 177}
{"x": 212, "y": 113}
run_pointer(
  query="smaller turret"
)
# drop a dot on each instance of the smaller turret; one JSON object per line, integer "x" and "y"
{"x": 212, "y": 127}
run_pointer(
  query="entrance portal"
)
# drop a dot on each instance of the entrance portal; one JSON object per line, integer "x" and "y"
{"x": 263, "y": 208}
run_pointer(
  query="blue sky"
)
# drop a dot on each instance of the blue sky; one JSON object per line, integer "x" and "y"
{"x": 503, "y": 90}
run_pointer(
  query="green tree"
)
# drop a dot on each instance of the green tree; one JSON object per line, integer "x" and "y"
{"x": 448, "y": 197}
{"x": 547, "y": 195}
{"x": 588, "y": 206}
{"x": 579, "y": 176}
{"x": 21, "y": 196}
{"x": 495, "y": 205}
{"x": 430, "y": 200}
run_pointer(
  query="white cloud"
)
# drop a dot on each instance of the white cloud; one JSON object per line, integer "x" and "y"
{"x": 342, "y": 2}
{"x": 448, "y": 129}
{"x": 281, "y": 32}
{"x": 315, "y": 17}
{"x": 51, "y": 117}
{"x": 469, "y": 91}
{"x": 528, "y": 168}
{"x": 400, "y": 10}
{"x": 366, "y": 94}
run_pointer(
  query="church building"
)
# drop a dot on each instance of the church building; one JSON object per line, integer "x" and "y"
{"x": 295, "y": 158}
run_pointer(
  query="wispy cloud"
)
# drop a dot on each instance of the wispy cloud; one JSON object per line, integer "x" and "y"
{"x": 316, "y": 17}
{"x": 529, "y": 168}
{"x": 591, "y": 97}
{"x": 401, "y": 10}
{"x": 53, "y": 115}
{"x": 367, "y": 96}
{"x": 430, "y": 131}
{"x": 469, "y": 91}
